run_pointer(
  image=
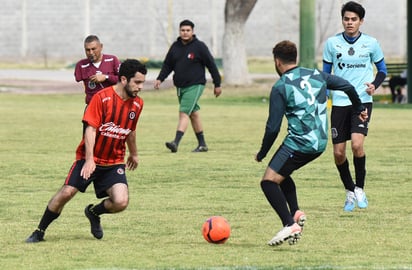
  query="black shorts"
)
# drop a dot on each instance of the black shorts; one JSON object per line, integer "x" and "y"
{"x": 103, "y": 178}
{"x": 344, "y": 122}
{"x": 286, "y": 160}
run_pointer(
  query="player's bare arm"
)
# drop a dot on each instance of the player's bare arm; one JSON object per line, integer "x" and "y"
{"x": 133, "y": 160}
{"x": 89, "y": 165}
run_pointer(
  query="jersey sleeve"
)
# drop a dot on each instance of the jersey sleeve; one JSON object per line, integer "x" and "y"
{"x": 139, "y": 111}
{"x": 277, "y": 109}
{"x": 377, "y": 55}
{"x": 78, "y": 72}
{"x": 327, "y": 52}
{"x": 340, "y": 84}
{"x": 211, "y": 65}
{"x": 93, "y": 113}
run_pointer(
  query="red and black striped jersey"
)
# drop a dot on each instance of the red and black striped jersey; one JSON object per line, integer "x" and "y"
{"x": 114, "y": 119}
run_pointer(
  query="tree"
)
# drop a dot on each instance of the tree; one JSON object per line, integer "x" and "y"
{"x": 235, "y": 68}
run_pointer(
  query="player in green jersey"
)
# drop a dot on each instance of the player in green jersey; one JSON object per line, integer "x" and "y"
{"x": 300, "y": 96}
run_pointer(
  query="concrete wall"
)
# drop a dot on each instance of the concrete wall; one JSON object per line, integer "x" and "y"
{"x": 46, "y": 30}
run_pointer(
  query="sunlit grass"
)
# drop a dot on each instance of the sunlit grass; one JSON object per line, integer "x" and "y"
{"x": 172, "y": 194}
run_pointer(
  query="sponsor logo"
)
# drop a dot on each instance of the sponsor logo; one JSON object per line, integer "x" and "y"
{"x": 114, "y": 131}
{"x": 191, "y": 56}
{"x": 132, "y": 115}
{"x": 351, "y": 66}
{"x": 120, "y": 171}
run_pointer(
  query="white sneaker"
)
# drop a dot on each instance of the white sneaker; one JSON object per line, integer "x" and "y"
{"x": 360, "y": 196}
{"x": 350, "y": 201}
{"x": 288, "y": 233}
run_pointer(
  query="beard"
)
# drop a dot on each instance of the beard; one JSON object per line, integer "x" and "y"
{"x": 129, "y": 92}
{"x": 278, "y": 71}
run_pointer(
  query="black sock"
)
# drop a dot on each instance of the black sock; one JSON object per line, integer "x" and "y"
{"x": 179, "y": 135}
{"x": 289, "y": 190}
{"x": 277, "y": 200}
{"x": 46, "y": 219}
{"x": 201, "y": 138}
{"x": 360, "y": 170}
{"x": 345, "y": 175}
{"x": 99, "y": 209}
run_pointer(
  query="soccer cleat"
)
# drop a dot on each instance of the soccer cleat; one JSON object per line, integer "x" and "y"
{"x": 200, "y": 148}
{"x": 350, "y": 201}
{"x": 35, "y": 237}
{"x": 96, "y": 228}
{"x": 360, "y": 196}
{"x": 172, "y": 146}
{"x": 300, "y": 218}
{"x": 288, "y": 233}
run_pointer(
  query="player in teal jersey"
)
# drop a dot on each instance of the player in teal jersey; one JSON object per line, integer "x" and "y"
{"x": 300, "y": 96}
{"x": 352, "y": 55}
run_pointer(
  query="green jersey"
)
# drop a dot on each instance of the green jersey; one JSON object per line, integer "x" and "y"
{"x": 300, "y": 96}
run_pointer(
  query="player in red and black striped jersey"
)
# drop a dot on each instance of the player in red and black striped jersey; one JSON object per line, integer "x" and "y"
{"x": 111, "y": 118}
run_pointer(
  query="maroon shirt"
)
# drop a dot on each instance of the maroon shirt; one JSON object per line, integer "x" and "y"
{"x": 84, "y": 69}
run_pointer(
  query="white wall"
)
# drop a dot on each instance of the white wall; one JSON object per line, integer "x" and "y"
{"x": 55, "y": 29}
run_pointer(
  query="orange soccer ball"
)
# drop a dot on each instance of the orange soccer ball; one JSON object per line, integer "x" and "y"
{"x": 216, "y": 230}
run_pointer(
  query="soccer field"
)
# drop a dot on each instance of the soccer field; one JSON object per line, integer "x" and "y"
{"x": 171, "y": 195}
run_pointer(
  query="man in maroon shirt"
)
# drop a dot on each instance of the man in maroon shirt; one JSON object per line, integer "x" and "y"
{"x": 111, "y": 118}
{"x": 98, "y": 70}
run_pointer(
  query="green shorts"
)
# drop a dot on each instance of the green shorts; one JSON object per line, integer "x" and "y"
{"x": 188, "y": 98}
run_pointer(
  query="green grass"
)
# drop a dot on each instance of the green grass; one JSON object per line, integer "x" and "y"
{"x": 171, "y": 195}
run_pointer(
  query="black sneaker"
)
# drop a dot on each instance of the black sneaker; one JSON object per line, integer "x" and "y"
{"x": 96, "y": 228}
{"x": 35, "y": 237}
{"x": 172, "y": 146}
{"x": 200, "y": 148}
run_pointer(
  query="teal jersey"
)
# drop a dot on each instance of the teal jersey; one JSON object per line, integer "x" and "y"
{"x": 300, "y": 96}
{"x": 353, "y": 61}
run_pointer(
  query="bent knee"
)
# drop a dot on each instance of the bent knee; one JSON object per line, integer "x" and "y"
{"x": 67, "y": 192}
{"x": 120, "y": 205}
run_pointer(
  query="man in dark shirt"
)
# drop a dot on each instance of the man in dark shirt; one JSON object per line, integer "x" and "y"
{"x": 188, "y": 57}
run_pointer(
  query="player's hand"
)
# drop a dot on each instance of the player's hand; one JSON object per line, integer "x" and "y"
{"x": 88, "y": 168}
{"x": 217, "y": 91}
{"x": 370, "y": 88}
{"x": 363, "y": 116}
{"x": 256, "y": 158}
{"x": 132, "y": 162}
{"x": 98, "y": 78}
{"x": 157, "y": 84}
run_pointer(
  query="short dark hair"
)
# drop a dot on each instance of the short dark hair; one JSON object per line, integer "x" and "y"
{"x": 129, "y": 67}
{"x": 286, "y": 51}
{"x": 91, "y": 38}
{"x": 187, "y": 22}
{"x": 353, "y": 7}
